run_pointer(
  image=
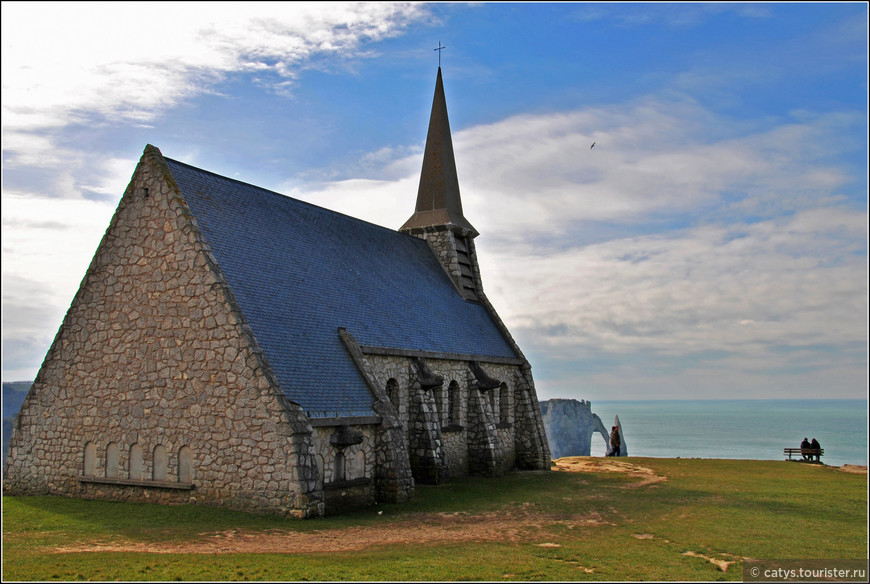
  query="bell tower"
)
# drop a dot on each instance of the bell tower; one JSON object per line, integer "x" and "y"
{"x": 438, "y": 217}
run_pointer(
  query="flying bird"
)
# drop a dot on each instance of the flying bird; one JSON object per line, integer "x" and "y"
{"x": 593, "y": 146}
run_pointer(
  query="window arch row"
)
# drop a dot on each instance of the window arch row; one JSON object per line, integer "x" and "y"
{"x": 160, "y": 457}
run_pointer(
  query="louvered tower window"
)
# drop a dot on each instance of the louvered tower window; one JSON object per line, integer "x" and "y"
{"x": 466, "y": 275}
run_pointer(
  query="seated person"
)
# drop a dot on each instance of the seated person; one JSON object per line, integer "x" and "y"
{"x": 815, "y": 444}
{"x": 804, "y": 445}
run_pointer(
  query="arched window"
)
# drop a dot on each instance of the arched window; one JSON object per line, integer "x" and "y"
{"x": 90, "y": 461}
{"x": 185, "y": 465}
{"x": 505, "y": 404}
{"x": 339, "y": 474}
{"x": 137, "y": 469}
{"x": 393, "y": 392}
{"x": 112, "y": 461}
{"x": 160, "y": 470}
{"x": 454, "y": 403}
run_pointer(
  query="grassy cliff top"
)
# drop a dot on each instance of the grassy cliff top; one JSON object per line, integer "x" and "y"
{"x": 588, "y": 519}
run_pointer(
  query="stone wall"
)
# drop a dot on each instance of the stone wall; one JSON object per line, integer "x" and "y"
{"x": 153, "y": 356}
{"x": 455, "y": 450}
{"x": 506, "y": 438}
{"x": 358, "y": 458}
{"x": 425, "y": 449}
{"x": 347, "y": 471}
{"x": 442, "y": 242}
{"x": 485, "y": 456}
{"x": 532, "y": 449}
{"x": 393, "y": 479}
{"x": 471, "y": 425}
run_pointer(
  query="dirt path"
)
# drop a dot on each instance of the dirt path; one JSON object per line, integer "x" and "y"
{"x": 513, "y": 526}
{"x": 422, "y": 529}
{"x": 853, "y": 468}
{"x": 645, "y": 476}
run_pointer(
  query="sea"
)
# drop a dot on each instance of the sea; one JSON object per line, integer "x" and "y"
{"x": 738, "y": 429}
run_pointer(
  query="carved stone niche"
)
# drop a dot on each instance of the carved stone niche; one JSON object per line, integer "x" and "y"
{"x": 484, "y": 381}
{"x": 428, "y": 380}
{"x": 345, "y": 436}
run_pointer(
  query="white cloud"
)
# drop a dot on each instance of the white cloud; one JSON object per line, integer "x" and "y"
{"x": 141, "y": 58}
{"x": 385, "y": 203}
{"x": 772, "y": 308}
{"x": 51, "y": 241}
{"x": 704, "y": 289}
{"x": 654, "y": 157}
{"x": 111, "y": 178}
{"x": 47, "y": 244}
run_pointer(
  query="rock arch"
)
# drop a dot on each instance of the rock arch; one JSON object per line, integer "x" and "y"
{"x": 599, "y": 427}
{"x": 570, "y": 425}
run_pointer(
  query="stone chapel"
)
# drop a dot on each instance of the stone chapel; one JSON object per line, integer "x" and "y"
{"x": 232, "y": 346}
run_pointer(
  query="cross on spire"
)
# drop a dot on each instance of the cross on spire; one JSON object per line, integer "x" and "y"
{"x": 439, "y": 49}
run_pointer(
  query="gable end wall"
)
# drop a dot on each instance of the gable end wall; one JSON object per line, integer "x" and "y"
{"x": 154, "y": 351}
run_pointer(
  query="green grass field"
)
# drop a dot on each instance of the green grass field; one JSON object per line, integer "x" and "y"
{"x": 699, "y": 523}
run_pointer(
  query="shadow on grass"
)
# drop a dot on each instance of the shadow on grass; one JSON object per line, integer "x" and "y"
{"x": 141, "y": 521}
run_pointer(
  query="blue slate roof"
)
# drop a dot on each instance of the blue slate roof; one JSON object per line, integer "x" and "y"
{"x": 299, "y": 272}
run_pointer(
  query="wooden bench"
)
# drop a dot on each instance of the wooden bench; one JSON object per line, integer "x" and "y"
{"x": 811, "y": 452}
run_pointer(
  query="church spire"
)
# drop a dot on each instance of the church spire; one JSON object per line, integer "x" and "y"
{"x": 438, "y": 217}
{"x": 438, "y": 200}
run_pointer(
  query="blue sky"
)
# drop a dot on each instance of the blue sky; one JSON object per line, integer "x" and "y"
{"x": 713, "y": 244}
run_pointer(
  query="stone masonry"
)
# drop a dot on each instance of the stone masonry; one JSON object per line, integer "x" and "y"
{"x": 196, "y": 379}
{"x": 478, "y": 420}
